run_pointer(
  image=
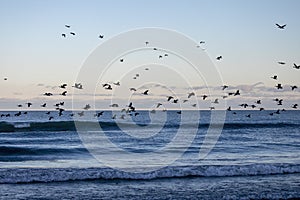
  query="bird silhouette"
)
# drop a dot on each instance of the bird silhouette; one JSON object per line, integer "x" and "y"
{"x": 63, "y": 35}
{"x": 67, "y": 26}
{"x": 121, "y": 60}
{"x": 114, "y": 105}
{"x": 63, "y": 86}
{"x": 169, "y": 98}
{"x": 281, "y": 63}
{"x": 280, "y": 26}
{"x": 294, "y": 87}
{"x": 29, "y": 104}
{"x": 48, "y": 94}
{"x": 72, "y": 33}
{"x": 81, "y": 113}
{"x": 101, "y": 36}
{"x": 50, "y": 118}
{"x": 224, "y": 87}
{"x": 191, "y": 94}
{"x": 78, "y": 86}
{"x": 64, "y": 93}
{"x": 132, "y": 89}
{"x": 87, "y": 106}
{"x": 219, "y": 57}
{"x": 279, "y": 86}
{"x": 274, "y": 77}
{"x": 44, "y": 105}
{"x": 204, "y": 96}
{"x": 258, "y": 102}
{"x": 5, "y": 78}
{"x": 295, "y": 106}
{"x": 237, "y": 93}
{"x": 296, "y": 66}
{"x": 146, "y": 92}
{"x": 158, "y": 105}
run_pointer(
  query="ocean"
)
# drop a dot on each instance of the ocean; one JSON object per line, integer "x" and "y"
{"x": 254, "y": 157}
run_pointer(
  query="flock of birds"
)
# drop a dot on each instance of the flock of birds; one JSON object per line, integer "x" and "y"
{"x": 131, "y": 109}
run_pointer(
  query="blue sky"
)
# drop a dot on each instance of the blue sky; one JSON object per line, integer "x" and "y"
{"x": 33, "y": 52}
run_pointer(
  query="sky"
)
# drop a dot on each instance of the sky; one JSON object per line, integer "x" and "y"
{"x": 35, "y": 58}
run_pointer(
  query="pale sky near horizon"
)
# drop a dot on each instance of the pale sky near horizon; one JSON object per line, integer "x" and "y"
{"x": 33, "y": 52}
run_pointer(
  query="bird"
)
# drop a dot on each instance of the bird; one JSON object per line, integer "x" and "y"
{"x": 237, "y": 93}
{"x": 132, "y": 89}
{"x": 87, "y": 106}
{"x": 249, "y": 115}
{"x": 147, "y": 69}
{"x": 44, "y": 105}
{"x": 169, "y": 98}
{"x": 280, "y": 102}
{"x": 81, "y": 113}
{"x": 294, "y": 87}
{"x": 280, "y": 26}
{"x": 50, "y": 118}
{"x": 5, "y": 79}
{"x": 63, "y": 35}
{"x": 29, "y": 104}
{"x": 229, "y": 108}
{"x": 78, "y": 86}
{"x": 244, "y": 105}
{"x": 281, "y": 63}
{"x": 107, "y": 86}
{"x": 212, "y": 108}
{"x": 158, "y": 104}
{"x": 101, "y": 36}
{"x": 48, "y": 94}
{"x": 261, "y": 109}
{"x": 72, "y": 33}
{"x": 191, "y": 94}
{"x": 64, "y": 93}
{"x": 296, "y": 66}
{"x": 295, "y": 106}
{"x": 19, "y": 105}
{"x": 219, "y": 57}
{"x": 146, "y": 43}
{"x": 114, "y": 105}
{"x": 194, "y": 105}
{"x": 121, "y": 60}
{"x": 63, "y": 86}
{"x": 117, "y": 83}
{"x": 216, "y": 101}
{"x": 47, "y": 113}
{"x": 274, "y": 77}
{"x": 18, "y": 114}
{"x": 224, "y": 87}
{"x": 160, "y": 56}
{"x": 204, "y": 96}
{"x": 99, "y": 113}
{"x": 67, "y": 26}
{"x": 175, "y": 101}
{"x": 185, "y": 100}
{"x": 277, "y": 112}
{"x": 146, "y": 92}
{"x": 179, "y": 112}
{"x": 279, "y": 86}
{"x": 258, "y": 102}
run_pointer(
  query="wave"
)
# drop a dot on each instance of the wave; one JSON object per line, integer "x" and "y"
{"x": 30, "y": 175}
{"x": 88, "y": 125}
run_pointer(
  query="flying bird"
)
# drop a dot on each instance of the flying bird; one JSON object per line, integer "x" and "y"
{"x": 219, "y": 57}
{"x": 63, "y": 35}
{"x": 44, "y": 105}
{"x": 274, "y": 77}
{"x": 72, "y": 33}
{"x": 191, "y": 94}
{"x": 280, "y": 26}
{"x": 67, "y": 26}
{"x": 279, "y": 86}
{"x": 87, "y": 106}
{"x": 296, "y": 66}
{"x": 101, "y": 36}
{"x": 170, "y": 97}
{"x": 48, "y": 94}
{"x": 224, "y": 87}
{"x": 63, "y": 86}
{"x": 294, "y": 87}
{"x": 281, "y": 63}
{"x": 64, "y": 93}
{"x": 146, "y": 92}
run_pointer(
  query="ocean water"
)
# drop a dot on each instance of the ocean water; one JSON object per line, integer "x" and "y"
{"x": 253, "y": 158}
